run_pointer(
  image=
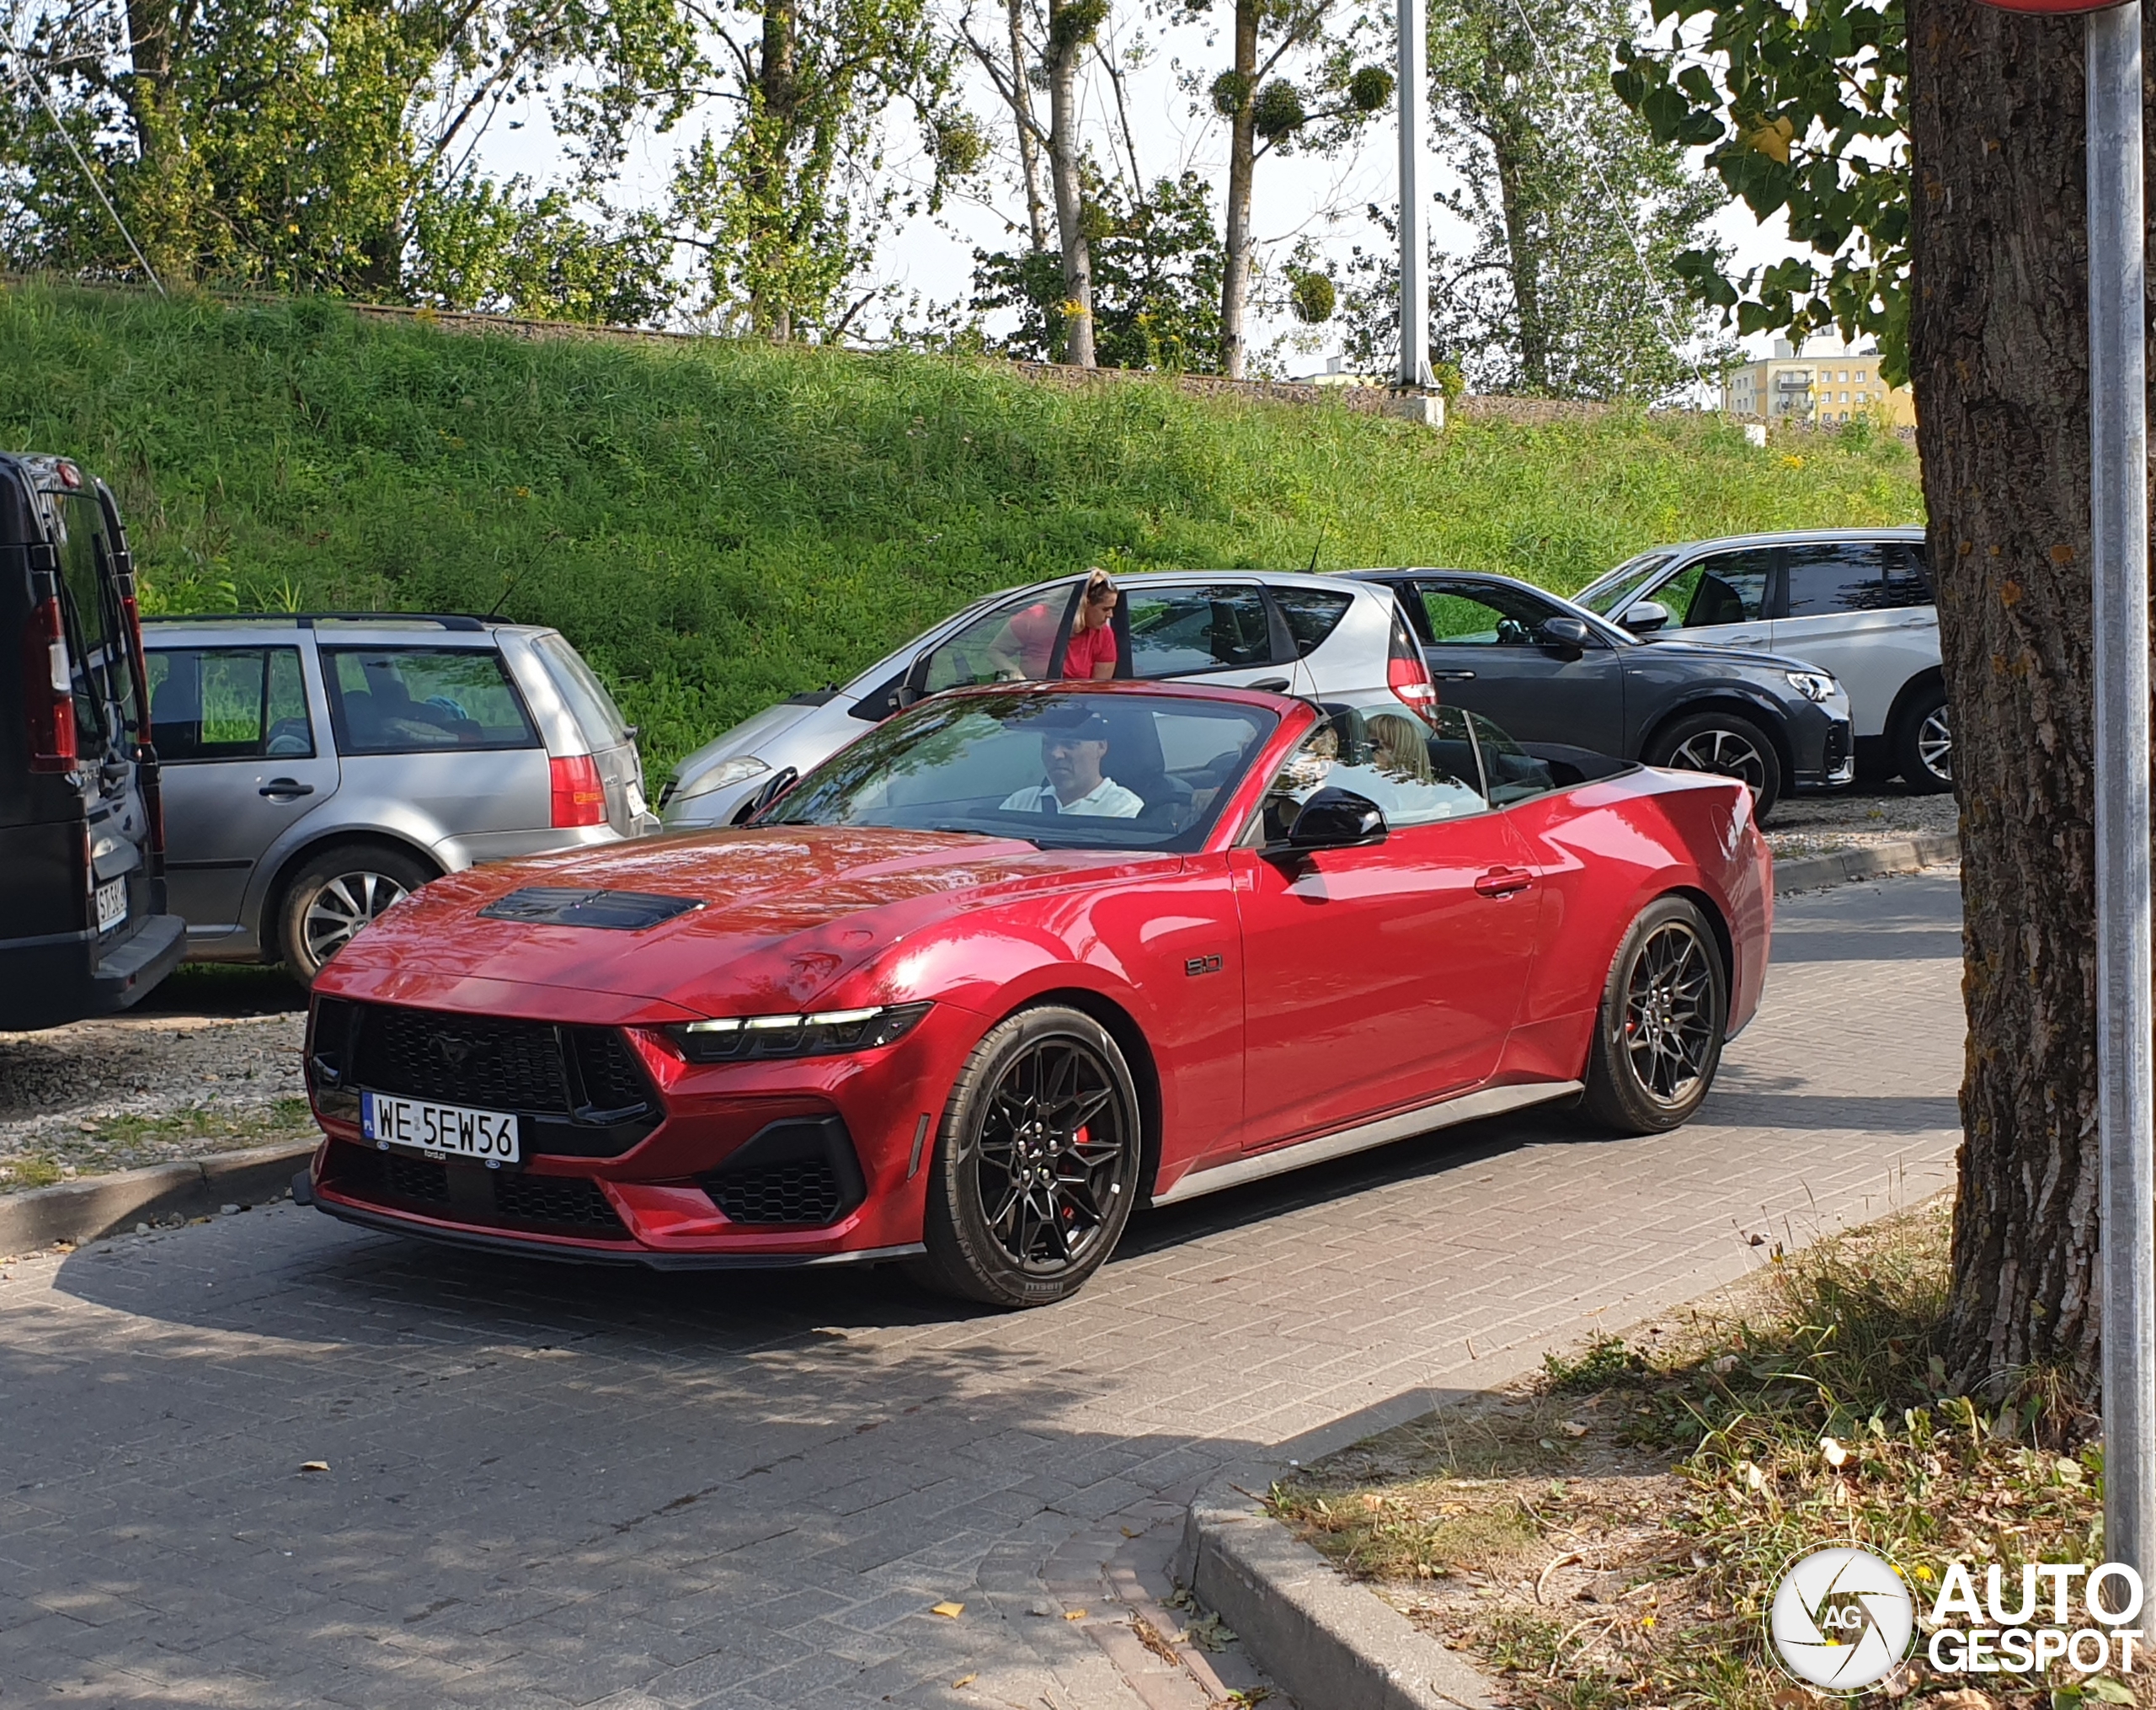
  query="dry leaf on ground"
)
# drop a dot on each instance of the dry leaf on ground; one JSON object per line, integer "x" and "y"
{"x": 951, "y": 1611}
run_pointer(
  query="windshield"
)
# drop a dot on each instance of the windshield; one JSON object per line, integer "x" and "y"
{"x": 1061, "y": 770}
{"x": 1613, "y": 591}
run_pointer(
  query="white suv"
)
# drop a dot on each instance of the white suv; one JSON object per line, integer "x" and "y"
{"x": 1856, "y": 602}
{"x": 1299, "y": 634}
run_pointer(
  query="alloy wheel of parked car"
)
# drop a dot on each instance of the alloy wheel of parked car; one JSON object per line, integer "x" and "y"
{"x": 1924, "y": 744}
{"x": 337, "y": 894}
{"x": 1658, "y": 1037}
{"x": 1726, "y": 745}
{"x": 1036, "y": 1168}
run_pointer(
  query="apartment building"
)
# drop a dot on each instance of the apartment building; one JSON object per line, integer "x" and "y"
{"x": 1825, "y": 385}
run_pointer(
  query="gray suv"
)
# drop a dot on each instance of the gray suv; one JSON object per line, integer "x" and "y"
{"x": 317, "y": 768}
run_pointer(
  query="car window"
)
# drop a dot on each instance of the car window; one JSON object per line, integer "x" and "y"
{"x": 229, "y": 704}
{"x": 588, "y": 703}
{"x": 101, "y": 679}
{"x": 1012, "y": 642}
{"x": 1614, "y": 589}
{"x": 1725, "y": 587}
{"x": 1416, "y": 774}
{"x": 1853, "y": 576}
{"x": 1062, "y": 769}
{"x": 1514, "y": 774}
{"x": 1184, "y": 631}
{"x": 1471, "y": 615}
{"x": 411, "y": 700}
{"x": 1312, "y": 614}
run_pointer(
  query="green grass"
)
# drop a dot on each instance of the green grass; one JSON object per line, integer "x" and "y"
{"x": 717, "y": 524}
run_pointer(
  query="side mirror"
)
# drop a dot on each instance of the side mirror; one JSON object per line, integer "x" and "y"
{"x": 1645, "y": 617}
{"x": 769, "y": 791}
{"x": 1335, "y": 819}
{"x": 1570, "y": 634}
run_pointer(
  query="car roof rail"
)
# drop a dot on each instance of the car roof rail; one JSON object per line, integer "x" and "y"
{"x": 461, "y": 622}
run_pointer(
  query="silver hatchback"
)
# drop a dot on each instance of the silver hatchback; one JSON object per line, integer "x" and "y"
{"x": 317, "y": 768}
{"x": 1252, "y": 629}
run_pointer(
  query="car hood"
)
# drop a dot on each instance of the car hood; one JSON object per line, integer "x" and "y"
{"x": 765, "y": 726}
{"x": 783, "y": 913}
{"x": 1707, "y": 653}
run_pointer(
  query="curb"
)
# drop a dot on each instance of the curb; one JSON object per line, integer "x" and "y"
{"x": 1839, "y": 866}
{"x": 1326, "y": 1640}
{"x": 104, "y": 1205}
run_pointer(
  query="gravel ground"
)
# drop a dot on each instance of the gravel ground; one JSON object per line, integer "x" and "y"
{"x": 1869, "y": 815}
{"x": 210, "y": 1061}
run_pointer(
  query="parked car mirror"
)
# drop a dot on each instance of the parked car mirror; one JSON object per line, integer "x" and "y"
{"x": 1571, "y": 634}
{"x": 1645, "y": 617}
{"x": 771, "y": 789}
{"x": 1334, "y": 819}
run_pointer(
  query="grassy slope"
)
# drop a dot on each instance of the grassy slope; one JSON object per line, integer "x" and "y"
{"x": 720, "y": 524}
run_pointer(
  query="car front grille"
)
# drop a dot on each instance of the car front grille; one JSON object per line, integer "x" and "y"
{"x": 582, "y": 1087}
{"x": 786, "y": 1193}
{"x": 473, "y": 1194}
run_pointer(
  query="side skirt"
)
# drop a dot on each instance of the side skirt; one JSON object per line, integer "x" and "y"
{"x": 1468, "y": 1107}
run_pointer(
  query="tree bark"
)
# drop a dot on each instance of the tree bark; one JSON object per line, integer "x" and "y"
{"x": 1022, "y": 106}
{"x": 1999, "y": 342}
{"x": 1070, "y": 27}
{"x": 777, "y": 107}
{"x": 157, "y": 193}
{"x": 1509, "y": 144}
{"x": 1242, "y": 162}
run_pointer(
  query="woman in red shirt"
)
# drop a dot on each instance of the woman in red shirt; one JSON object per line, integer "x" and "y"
{"x": 1090, "y": 653}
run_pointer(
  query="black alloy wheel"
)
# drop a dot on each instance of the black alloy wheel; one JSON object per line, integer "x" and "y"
{"x": 1924, "y": 743}
{"x": 1036, "y": 1165}
{"x": 1659, "y": 1035}
{"x": 1729, "y": 746}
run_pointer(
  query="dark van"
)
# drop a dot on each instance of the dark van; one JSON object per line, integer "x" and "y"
{"x": 83, "y": 928}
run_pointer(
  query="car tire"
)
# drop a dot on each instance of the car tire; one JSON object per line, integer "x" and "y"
{"x": 1923, "y": 743}
{"x": 335, "y": 894}
{"x": 1040, "y": 1142}
{"x": 1727, "y": 745}
{"x": 1658, "y": 1032}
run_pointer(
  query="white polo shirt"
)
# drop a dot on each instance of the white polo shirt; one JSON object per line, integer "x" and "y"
{"x": 1109, "y": 800}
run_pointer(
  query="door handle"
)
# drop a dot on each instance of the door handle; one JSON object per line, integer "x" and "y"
{"x": 278, "y": 789}
{"x": 1504, "y": 881}
{"x": 1452, "y": 676}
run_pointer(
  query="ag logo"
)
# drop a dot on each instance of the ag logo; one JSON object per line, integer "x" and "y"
{"x": 1841, "y": 1619}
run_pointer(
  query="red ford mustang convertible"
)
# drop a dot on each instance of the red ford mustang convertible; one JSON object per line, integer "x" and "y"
{"x": 1021, "y": 958}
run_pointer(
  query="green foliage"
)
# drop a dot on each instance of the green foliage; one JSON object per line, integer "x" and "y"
{"x": 1157, "y": 280}
{"x": 719, "y": 525}
{"x": 1563, "y": 190}
{"x": 1313, "y": 296}
{"x": 1370, "y": 90}
{"x": 1279, "y": 111}
{"x": 1803, "y": 111}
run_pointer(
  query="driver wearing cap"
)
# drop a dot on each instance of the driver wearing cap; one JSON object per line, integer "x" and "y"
{"x": 1074, "y": 746}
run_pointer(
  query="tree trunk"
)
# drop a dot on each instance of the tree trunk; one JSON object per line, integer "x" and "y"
{"x": 157, "y": 192}
{"x": 777, "y": 104}
{"x": 1509, "y": 143}
{"x": 1022, "y": 106}
{"x": 1242, "y": 162}
{"x": 1070, "y": 26}
{"x": 1998, "y": 341}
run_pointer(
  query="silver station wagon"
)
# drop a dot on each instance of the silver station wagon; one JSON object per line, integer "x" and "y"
{"x": 317, "y": 768}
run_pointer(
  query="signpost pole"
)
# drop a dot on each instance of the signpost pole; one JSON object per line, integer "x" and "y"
{"x": 1414, "y": 247}
{"x": 2119, "y": 520}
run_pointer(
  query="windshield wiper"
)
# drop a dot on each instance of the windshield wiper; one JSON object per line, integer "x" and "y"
{"x": 975, "y": 831}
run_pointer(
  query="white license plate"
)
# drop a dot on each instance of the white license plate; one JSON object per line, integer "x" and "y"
{"x": 636, "y": 801}
{"x": 112, "y": 904}
{"x": 452, "y": 1131}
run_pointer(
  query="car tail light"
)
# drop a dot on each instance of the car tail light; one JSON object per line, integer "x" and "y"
{"x": 1407, "y": 675}
{"x": 49, "y": 690}
{"x": 580, "y": 798}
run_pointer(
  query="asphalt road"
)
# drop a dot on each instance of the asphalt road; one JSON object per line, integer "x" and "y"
{"x": 548, "y": 1486}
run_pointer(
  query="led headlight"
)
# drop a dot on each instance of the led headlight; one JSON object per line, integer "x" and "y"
{"x": 825, "y": 1033}
{"x": 726, "y": 772}
{"x": 1813, "y": 685}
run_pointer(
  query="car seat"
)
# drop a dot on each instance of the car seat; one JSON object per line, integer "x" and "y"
{"x": 176, "y": 710}
{"x": 1715, "y": 601}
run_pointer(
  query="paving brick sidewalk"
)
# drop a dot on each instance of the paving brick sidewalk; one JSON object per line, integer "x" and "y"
{"x": 549, "y": 1486}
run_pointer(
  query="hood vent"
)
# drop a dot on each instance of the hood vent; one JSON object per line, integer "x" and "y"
{"x": 611, "y": 911}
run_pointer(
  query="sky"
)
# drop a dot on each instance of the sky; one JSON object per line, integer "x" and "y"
{"x": 1297, "y": 195}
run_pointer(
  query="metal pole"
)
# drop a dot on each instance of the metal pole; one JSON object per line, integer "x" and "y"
{"x": 1414, "y": 245}
{"x": 2119, "y": 527}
